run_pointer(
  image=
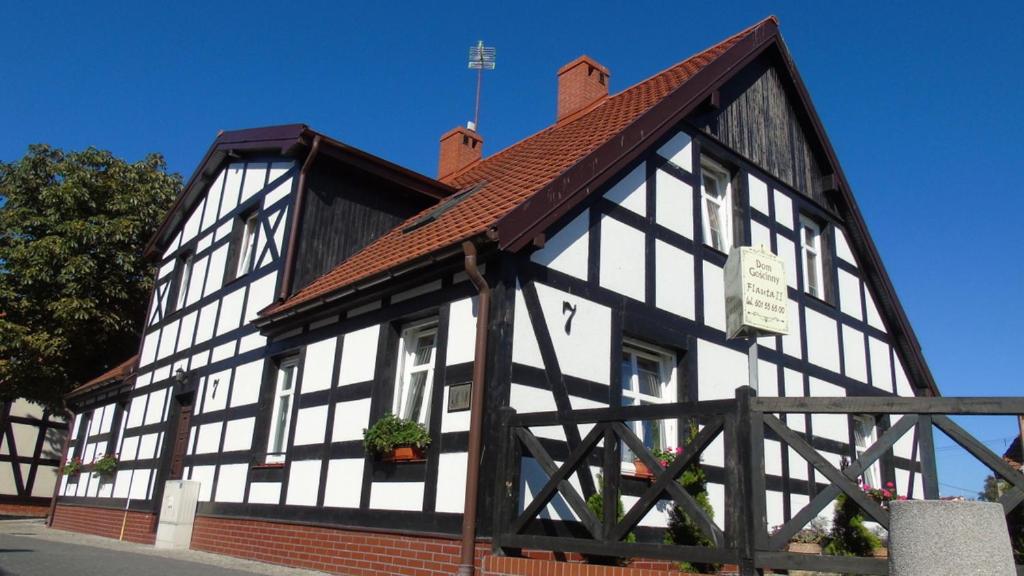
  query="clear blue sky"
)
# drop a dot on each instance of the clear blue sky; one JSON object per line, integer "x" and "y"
{"x": 921, "y": 100}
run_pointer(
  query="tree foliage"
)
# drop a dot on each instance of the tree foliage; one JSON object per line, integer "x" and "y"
{"x": 73, "y": 282}
{"x": 993, "y": 491}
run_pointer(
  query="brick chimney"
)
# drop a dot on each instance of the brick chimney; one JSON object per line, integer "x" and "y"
{"x": 460, "y": 147}
{"x": 581, "y": 83}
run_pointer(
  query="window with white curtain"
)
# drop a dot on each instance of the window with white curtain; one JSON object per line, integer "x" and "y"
{"x": 648, "y": 377}
{"x": 863, "y": 438}
{"x": 810, "y": 246}
{"x": 281, "y": 414}
{"x": 716, "y": 205}
{"x": 247, "y": 246}
{"x": 415, "y": 377}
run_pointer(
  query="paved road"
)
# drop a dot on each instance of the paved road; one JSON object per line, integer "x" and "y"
{"x": 28, "y": 548}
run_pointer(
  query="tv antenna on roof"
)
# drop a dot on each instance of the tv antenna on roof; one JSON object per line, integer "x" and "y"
{"x": 480, "y": 58}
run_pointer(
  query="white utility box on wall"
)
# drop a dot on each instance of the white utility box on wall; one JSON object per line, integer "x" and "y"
{"x": 177, "y": 514}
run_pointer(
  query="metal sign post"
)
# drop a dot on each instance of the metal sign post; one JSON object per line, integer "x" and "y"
{"x": 756, "y": 299}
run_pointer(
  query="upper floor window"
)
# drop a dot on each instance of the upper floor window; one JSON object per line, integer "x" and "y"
{"x": 811, "y": 248}
{"x": 247, "y": 246}
{"x": 649, "y": 377}
{"x": 716, "y": 205}
{"x": 184, "y": 277}
{"x": 415, "y": 371}
{"x": 281, "y": 414}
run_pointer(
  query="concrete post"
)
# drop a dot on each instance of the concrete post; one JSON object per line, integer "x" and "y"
{"x": 932, "y": 537}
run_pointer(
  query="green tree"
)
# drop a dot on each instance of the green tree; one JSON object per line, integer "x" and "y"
{"x": 73, "y": 282}
{"x": 993, "y": 491}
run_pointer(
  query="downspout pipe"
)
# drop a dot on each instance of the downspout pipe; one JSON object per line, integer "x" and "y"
{"x": 293, "y": 234}
{"x": 476, "y": 414}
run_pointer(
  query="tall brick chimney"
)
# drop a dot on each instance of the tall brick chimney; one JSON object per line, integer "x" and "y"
{"x": 581, "y": 83}
{"x": 460, "y": 147}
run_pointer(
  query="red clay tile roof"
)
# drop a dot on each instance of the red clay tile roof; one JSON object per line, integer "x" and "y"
{"x": 511, "y": 176}
{"x": 115, "y": 374}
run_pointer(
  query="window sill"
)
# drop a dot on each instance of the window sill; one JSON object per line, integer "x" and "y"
{"x": 267, "y": 465}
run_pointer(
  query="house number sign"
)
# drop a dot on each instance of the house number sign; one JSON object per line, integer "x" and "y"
{"x": 459, "y": 396}
{"x": 756, "y": 293}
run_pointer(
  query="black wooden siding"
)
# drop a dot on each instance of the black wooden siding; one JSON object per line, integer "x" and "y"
{"x": 346, "y": 209}
{"x": 757, "y": 120}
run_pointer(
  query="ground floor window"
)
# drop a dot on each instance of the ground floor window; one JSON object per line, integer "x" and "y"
{"x": 415, "y": 376}
{"x": 863, "y": 438}
{"x": 281, "y": 414}
{"x": 648, "y": 377}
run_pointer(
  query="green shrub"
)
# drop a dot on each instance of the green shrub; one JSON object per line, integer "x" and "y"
{"x": 105, "y": 466}
{"x": 73, "y": 466}
{"x": 849, "y": 536}
{"x": 596, "y": 505}
{"x": 681, "y": 529}
{"x": 392, "y": 431}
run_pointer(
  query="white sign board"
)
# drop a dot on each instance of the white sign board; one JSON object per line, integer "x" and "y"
{"x": 755, "y": 293}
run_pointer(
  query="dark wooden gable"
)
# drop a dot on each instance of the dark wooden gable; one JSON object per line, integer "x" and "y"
{"x": 758, "y": 117}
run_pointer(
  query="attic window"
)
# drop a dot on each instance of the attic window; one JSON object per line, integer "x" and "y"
{"x": 443, "y": 207}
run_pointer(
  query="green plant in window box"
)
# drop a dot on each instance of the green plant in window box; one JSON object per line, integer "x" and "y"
{"x": 106, "y": 465}
{"x": 73, "y": 466}
{"x": 391, "y": 434}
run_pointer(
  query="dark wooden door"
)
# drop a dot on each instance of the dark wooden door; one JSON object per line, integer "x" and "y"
{"x": 180, "y": 443}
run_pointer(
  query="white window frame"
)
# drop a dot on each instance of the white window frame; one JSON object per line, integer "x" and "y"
{"x": 407, "y": 367}
{"x": 291, "y": 364}
{"x": 872, "y": 474}
{"x": 247, "y": 245}
{"x": 632, "y": 396}
{"x": 184, "y": 278}
{"x": 722, "y": 205}
{"x": 813, "y": 248}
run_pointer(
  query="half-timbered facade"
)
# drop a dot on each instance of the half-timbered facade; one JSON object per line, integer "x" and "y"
{"x": 31, "y": 440}
{"x": 306, "y": 288}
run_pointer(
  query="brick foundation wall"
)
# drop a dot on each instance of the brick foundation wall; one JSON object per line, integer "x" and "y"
{"x": 140, "y": 527}
{"x": 32, "y": 510}
{"x": 329, "y": 549}
{"x": 536, "y": 565}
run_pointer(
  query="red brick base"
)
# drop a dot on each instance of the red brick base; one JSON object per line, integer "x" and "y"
{"x": 24, "y": 510}
{"x": 509, "y": 566}
{"x": 140, "y": 527}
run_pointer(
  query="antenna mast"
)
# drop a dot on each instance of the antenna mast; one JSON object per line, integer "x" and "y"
{"x": 480, "y": 58}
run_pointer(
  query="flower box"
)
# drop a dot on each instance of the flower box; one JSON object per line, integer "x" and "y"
{"x": 404, "y": 454}
{"x": 641, "y": 470}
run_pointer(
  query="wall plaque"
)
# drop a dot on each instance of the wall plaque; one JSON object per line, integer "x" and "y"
{"x": 459, "y": 396}
{"x": 756, "y": 293}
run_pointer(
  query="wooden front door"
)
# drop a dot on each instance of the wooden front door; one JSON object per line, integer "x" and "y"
{"x": 180, "y": 442}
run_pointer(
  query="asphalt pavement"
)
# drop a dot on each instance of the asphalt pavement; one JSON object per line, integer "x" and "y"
{"x": 29, "y": 548}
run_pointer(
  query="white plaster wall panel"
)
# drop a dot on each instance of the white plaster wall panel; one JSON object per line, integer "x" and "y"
{"x": 160, "y": 375}
{"x": 75, "y": 423}
{"x": 255, "y": 180}
{"x": 25, "y": 436}
{"x": 904, "y": 447}
{"x": 168, "y": 338}
{"x": 822, "y": 340}
{"x": 212, "y": 201}
{"x": 832, "y": 426}
{"x": 631, "y": 191}
{"x": 207, "y": 317}
{"x": 773, "y": 507}
{"x": 95, "y": 418}
{"x": 230, "y": 311}
{"x": 531, "y": 481}
{"x": 679, "y": 151}
{"x": 197, "y": 281}
{"x": 166, "y": 268}
{"x": 797, "y": 464}
{"x": 656, "y": 517}
{"x": 303, "y": 483}
{"x": 186, "y": 332}
{"x": 245, "y": 389}
{"x": 190, "y": 449}
{"x": 224, "y": 351}
{"x": 881, "y": 367}
{"x": 148, "y": 353}
{"x": 238, "y": 434}
{"x": 251, "y": 342}
{"x": 139, "y": 485}
{"x": 345, "y": 483}
{"x": 843, "y": 247}
{"x": 674, "y": 204}
{"x": 578, "y": 403}
{"x": 199, "y": 359}
{"x": 129, "y": 448}
{"x": 232, "y": 186}
{"x": 720, "y": 371}
{"x": 787, "y": 251}
{"x": 105, "y": 488}
{"x": 849, "y": 295}
{"x": 524, "y": 342}
{"x": 105, "y": 423}
{"x": 358, "y": 355}
{"x": 7, "y": 483}
{"x": 714, "y": 296}
{"x": 461, "y": 331}
{"x": 874, "y": 319}
{"x": 224, "y": 230}
{"x": 716, "y": 495}
{"x": 172, "y": 245}
{"x": 791, "y": 342}
{"x": 26, "y": 409}
{"x": 121, "y": 480}
{"x": 277, "y": 192}
{"x": 903, "y": 387}
{"x": 261, "y": 295}
{"x": 93, "y": 485}
{"x": 758, "y": 192}
{"x": 279, "y": 232}
{"x": 142, "y": 380}
{"x": 311, "y": 425}
{"x": 204, "y": 475}
{"x": 417, "y": 291}
{"x": 209, "y": 438}
{"x": 215, "y": 391}
{"x": 767, "y": 379}
{"x": 854, "y": 354}
{"x": 529, "y": 399}
{"x": 147, "y": 446}
{"x": 396, "y": 496}
{"x": 204, "y": 242}
{"x": 760, "y": 235}
{"x": 794, "y": 382}
{"x": 265, "y": 493}
{"x": 902, "y": 481}
{"x": 622, "y": 258}
{"x": 451, "y": 473}
{"x": 453, "y": 421}
{"x": 215, "y": 273}
{"x": 772, "y": 457}
{"x": 318, "y": 367}
{"x": 567, "y": 250}
{"x": 714, "y": 454}
{"x": 783, "y": 209}
{"x": 673, "y": 282}
{"x": 350, "y": 418}
{"x": 80, "y": 487}
{"x": 591, "y": 331}
{"x": 231, "y": 482}
{"x": 46, "y": 479}
{"x": 155, "y": 407}
{"x": 191, "y": 228}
